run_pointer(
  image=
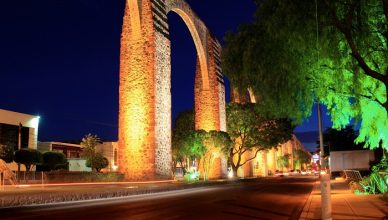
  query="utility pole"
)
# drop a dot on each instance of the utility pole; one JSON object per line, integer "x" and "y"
{"x": 324, "y": 177}
{"x": 19, "y": 142}
{"x": 321, "y": 148}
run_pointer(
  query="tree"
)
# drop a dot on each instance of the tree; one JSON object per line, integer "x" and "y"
{"x": 346, "y": 69}
{"x": 97, "y": 162}
{"x": 359, "y": 28}
{"x": 250, "y": 132}
{"x": 6, "y": 153}
{"x": 186, "y": 143}
{"x": 28, "y": 157}
{"x": 300, "y": 157}
{"x": 284, "y": 161}
{"x": 53, "y": 159}
{"x": 217, "y": 144}
{"x": 88, "y": 144}
{"x": 258, "y": 57}
{"x": 189, "y": 144}
{"x": 190, "y": 148}
{"x": 340, "y": 140}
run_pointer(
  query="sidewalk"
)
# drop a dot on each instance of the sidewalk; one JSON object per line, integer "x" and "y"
{"x": 345, "y": 205}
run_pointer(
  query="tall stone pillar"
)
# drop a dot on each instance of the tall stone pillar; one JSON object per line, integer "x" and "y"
{"x": 144, "y": 147}
{"x": 144, "y": 120}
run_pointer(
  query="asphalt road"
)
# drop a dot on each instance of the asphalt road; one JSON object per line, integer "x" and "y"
{"x": 272, "y": 198}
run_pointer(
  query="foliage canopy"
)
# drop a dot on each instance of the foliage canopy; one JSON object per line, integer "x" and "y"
{"x": 6, "y": 153}
{"x": 281, "y": 59}
{"x": 28, "y": 157}
{"x": 251, "y": 132}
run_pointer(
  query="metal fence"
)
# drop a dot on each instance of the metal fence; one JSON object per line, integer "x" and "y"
{"x": 353, "y": 175}
{"x": 31, "y": 177}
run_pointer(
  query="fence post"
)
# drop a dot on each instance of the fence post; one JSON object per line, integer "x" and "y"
{"x": 325, "y": 196}
{"x": 42, "y": 178}
{"x": 2, "y": 180}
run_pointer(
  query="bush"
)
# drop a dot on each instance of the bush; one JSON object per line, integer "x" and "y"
{"x": 97, "y": 162}
{"x": 77, "y": 177}
{"x": 6, "y": 153}
{"x": 28, "y": 157}
{"x": 356, "y": 188}
{"x": 375, "y": 183}
{"x": 54, "y": 160}
{"x": 283, "y": 161}
{"x": 191, "y": 176}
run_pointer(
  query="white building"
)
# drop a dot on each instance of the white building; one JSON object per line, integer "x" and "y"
{"x": 19, "y": 131}
{"x": 73, "y": 154}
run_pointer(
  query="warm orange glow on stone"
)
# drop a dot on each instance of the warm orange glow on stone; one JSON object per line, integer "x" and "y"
{"x": 144, "y": 149}
{"x": 136, "y": 97}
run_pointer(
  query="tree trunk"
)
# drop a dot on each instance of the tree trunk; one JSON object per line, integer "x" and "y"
{"x": 235, "y": 169}
{"x": 28, "y": 168}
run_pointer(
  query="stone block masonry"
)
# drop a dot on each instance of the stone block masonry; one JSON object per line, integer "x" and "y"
{"x": 145, "y": 85}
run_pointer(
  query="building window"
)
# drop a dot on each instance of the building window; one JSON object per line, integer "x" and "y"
{"x": 9, "y": 135}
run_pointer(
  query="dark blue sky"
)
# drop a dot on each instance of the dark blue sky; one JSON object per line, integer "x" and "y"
{"x": 60, "y": 59}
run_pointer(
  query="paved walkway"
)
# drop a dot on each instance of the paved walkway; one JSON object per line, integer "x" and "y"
{"x": 345, "y": 205}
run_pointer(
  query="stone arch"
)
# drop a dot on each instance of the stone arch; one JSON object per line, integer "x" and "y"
{"x": 196, "y": 28}
{"x": 145, "y": 86}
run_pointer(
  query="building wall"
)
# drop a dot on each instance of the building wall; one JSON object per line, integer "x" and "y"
{"x": 30, "y": 121}
{"x": 266, "y": 161}
{"x": 108, "y": 150}
{"x": 78, "y": 165}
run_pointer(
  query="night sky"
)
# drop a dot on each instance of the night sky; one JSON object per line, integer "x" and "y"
{"x": 60, "y": 59}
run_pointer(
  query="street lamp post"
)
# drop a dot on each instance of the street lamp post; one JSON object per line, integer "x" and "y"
{"x": 324, "y": 177}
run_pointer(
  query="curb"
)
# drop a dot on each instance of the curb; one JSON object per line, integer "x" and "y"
{"x": 12, "y": 201}
{"x": 306, "y": 208}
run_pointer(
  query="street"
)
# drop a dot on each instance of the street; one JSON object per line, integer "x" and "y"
{"x": 271, "y": 198}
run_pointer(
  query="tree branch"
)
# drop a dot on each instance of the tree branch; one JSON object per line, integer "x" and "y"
{"x": 257, "y": 151}
{"x": 345, "y": 29}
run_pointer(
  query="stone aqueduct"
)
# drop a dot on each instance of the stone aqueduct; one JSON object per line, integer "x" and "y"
{"x": 145, "y": 86}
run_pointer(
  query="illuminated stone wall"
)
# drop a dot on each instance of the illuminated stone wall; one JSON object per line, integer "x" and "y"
{"x": 136, "y": 150}
{"x": 163, "y": 157}
{"x": 145, "y": 86}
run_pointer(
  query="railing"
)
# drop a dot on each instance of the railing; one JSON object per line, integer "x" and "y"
{"x": 353, "y": 175}
{"x": 24, "y": 177}
{"x": 6, "y": 174}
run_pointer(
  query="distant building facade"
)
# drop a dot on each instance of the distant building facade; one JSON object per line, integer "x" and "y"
{"x": 73, "y": 154}
{"x": 266, "y": 162}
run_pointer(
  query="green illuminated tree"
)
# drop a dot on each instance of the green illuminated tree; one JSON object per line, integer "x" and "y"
{"x": 279, "y": 57}
{"x": 186, "y": 144}
{"x": 97, "y": 162}
{"x": 217, "y": 145}
{"x": 283, "y": 161}
{"x": 88, "y": 144}
{"x": 360, "y": 29}
{"x": 189, "y": 144}
{"x": 301, "y": 157}
{"x": 250, "y": 132}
